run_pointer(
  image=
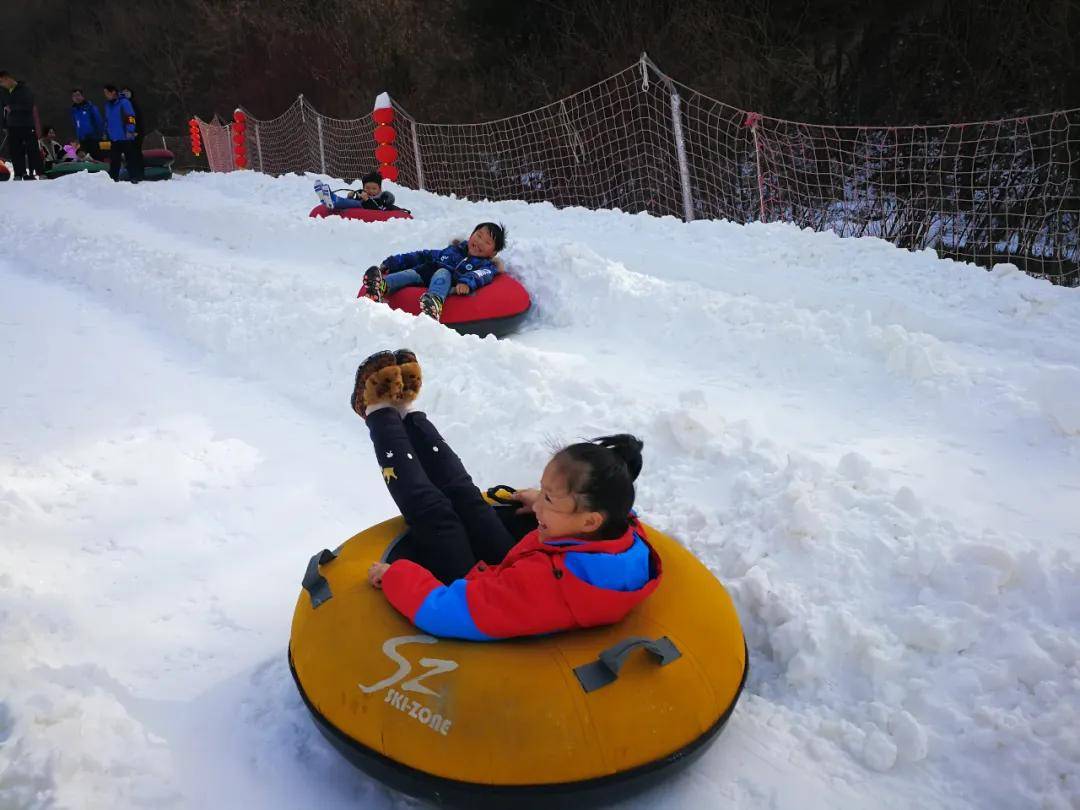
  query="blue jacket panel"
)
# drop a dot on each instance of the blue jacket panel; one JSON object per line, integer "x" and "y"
{"x": 445, "y": 613}
{"x": 627, "y": 571}
{"x": 120, "y": 120}
{"x": 465, "y": 269}
{"x": 87, "y": 121}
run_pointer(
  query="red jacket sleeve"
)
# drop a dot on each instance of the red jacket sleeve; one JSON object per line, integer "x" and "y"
{"x": 406, "y": 586}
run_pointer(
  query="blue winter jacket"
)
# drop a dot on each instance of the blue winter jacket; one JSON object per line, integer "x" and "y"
{"x": 120, "y": 120}
{"x": 87, "y": 121}
{"x": 464, "y": 269}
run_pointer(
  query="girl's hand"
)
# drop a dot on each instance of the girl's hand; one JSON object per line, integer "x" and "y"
{"x": 526, "y": 497}
{"x": 462, "y": 289}
{"x": 375, "y": 574}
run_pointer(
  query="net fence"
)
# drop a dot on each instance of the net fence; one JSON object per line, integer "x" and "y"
{"x": 986, "y": 192}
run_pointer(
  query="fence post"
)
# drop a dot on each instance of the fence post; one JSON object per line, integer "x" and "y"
{"x": 322, "y": 148}
{"x": 258, "y": 147}
{"x": 303, "y": 126}
{"x": 676, "y": 123}
{"x": 416, "y": 155}
{"x": 680, "y": 151}
{"x": 752, "y": 120}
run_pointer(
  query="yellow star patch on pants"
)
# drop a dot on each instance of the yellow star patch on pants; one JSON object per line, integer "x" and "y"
{"x": 388, "y": 473}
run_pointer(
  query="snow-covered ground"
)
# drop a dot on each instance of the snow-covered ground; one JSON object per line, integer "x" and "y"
{"x": 878, "y": 453}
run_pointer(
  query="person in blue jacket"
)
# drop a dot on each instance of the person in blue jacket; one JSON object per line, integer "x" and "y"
{"x": 88, "y": 123}
{"x": 462, "y": 268}
{"x": 121, "y": 127}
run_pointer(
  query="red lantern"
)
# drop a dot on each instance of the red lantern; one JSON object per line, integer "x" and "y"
{"x": 385, "y": 134}
{"x": 239, "y": 116}
{"x": 383, "y": 115}
{"x": 196, "y": 139}
{"x": 388, "y": 172}
{"x": 238, "y": 138}
{"x": 241, "y": 162}
{"x": 385, "y": 153}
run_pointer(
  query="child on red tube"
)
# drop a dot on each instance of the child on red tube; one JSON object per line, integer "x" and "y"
{"x": 587, "y": 563}
{"x": 372, "y": 197}
{"x": 460, "y": 268}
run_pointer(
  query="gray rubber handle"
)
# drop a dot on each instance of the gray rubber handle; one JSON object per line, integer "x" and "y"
{"x": 314, "y": 582}
{"x": 605, "y": 669}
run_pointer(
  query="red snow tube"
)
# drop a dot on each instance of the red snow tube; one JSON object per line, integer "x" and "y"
{"x": 158, "y": 157}
{"x": 364, "y": 214}
{"x": 497, "y": 309}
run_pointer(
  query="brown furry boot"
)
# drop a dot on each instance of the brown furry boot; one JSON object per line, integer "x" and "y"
{"x": 373, "y": 374}
{"x": 383, "y": 387}
{"x": 411, "y": 377}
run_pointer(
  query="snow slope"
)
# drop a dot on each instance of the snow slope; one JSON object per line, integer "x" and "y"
{"x": 877, "y": 451}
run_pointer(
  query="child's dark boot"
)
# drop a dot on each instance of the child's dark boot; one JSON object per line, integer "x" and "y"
{"x": 431, "y": 305}
{"x": 375, "y": 283}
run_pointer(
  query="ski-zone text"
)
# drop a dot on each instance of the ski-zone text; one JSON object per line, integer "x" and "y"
{"x": 424, "y": 715}
{"x": 418, "y": 711}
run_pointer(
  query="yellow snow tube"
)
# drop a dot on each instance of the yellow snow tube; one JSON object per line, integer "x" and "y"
{"x": 577, "y": 718}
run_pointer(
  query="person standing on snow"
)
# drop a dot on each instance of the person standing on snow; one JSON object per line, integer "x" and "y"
{"x": 140, "y": 130}
{"x": 20, "y": 120}
{"x": 88, "y": 123}
{"x": 121, "y": 126}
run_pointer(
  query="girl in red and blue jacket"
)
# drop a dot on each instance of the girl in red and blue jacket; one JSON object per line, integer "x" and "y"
{"x": 587, "y": 563}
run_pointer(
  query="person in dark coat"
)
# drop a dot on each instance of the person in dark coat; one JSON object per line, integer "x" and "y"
{"x": 20, "y": 120}
{"x": 88, "y": 123}
{"x": 140, "y": 130}
{"x": 120, "y": 127}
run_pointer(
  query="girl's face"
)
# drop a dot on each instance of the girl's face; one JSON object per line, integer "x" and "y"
{"x": 372, "y": 189}
{"x": 556, "y": 509}
{"x": 481, "y": 244}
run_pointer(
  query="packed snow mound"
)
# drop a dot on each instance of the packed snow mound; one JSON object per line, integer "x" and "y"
{"x": 878, "y": 452}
